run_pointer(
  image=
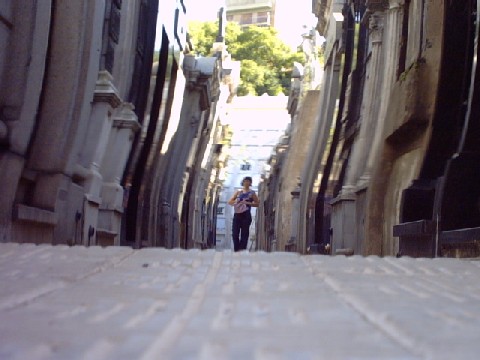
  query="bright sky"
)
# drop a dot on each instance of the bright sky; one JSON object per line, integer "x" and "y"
{"x": 290, "y": 16}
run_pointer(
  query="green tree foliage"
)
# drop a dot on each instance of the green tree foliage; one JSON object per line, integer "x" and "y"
{"x": 265, "y": 59}
{"x": 202, "y": 36}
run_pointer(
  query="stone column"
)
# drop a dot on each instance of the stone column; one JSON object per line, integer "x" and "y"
{"x": 346, "y": 208}
{"x": 61, "y": 122}
{"x": 105, "y": 100}
{"x": 377, "y": 236}
{"x": 393, "y": 24}
{"x": 292, "y": 243}
{"x": 374, "y": 89}
{"x": 125, "y": 125}
{"x": 196, "y": 100}
{"x": 24, "y": 36}
{"x": 330, "y": 85}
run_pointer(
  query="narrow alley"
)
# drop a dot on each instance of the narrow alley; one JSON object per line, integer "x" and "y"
{"x": 60, "y": 302}
{"x": 126, "y": 128}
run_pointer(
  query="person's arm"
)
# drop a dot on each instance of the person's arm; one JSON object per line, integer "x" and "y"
{"x": 233, "y": 199}
{"x": 255, "y": 201}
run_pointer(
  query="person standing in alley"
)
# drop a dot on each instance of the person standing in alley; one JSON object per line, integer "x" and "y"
{"x": 242, "y": 201}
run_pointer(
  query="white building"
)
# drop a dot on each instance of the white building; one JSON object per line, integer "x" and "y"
{"x": 251, "y": 12}
{"x": 257, "y": 122}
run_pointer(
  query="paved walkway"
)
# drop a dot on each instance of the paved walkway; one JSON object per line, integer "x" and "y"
{"x": 118, "y": 303}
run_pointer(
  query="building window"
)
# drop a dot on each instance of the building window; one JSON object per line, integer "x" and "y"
{"x": 245, "y": 167}
{"x": 246, "y": 19}
{"x": 229, "y": 17}
{"x": 262, "y": 17}
{"x": 220, "y": 210}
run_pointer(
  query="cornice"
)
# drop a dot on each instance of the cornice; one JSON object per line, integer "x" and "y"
{"x": 105, "y": 91}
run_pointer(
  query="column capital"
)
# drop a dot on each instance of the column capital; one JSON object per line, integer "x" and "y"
{"x": 363, "y": 182}
{"x": 125, "y": 117}
{"x": 396, "y": 4}
{"x": 105, "y": 91}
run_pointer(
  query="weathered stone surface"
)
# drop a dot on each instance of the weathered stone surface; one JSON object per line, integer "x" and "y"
{"x": 117, "y": 303}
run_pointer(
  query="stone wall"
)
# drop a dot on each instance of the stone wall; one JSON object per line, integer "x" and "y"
{"x": 373, "y": 128}
{"x": 291, "y": 170}
{"x": 66, "y": 113}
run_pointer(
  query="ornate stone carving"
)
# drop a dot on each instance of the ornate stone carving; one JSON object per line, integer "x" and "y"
{"x": 320, "y": 11}
{"x": 376, "y": 24}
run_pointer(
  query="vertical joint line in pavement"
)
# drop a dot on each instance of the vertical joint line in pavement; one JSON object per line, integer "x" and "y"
{"x": 377, "y": 320}
{"x": 178, "y": 323}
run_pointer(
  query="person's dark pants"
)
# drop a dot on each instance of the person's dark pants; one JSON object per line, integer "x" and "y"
{"x": 241, "y": 230}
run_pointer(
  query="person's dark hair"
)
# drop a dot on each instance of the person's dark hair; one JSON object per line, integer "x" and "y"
{"x": 246, "y": 178}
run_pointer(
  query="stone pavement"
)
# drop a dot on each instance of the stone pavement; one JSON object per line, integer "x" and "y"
{"x": 117, "y": 303}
